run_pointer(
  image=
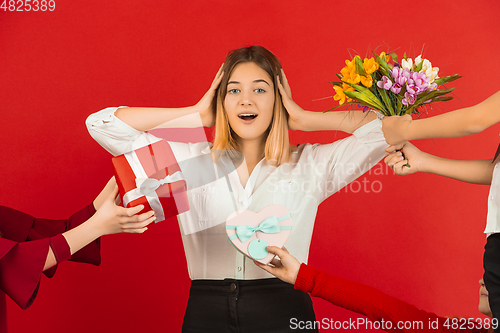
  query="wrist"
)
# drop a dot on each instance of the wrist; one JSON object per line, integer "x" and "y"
{"x": 304, "y": 121}
{"x": 426, "y": 163}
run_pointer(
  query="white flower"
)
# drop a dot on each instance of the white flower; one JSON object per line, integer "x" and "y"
{"x": 430, "y": 72}
{"x": 418, "y": 60}
{"x": 407, "y": 64}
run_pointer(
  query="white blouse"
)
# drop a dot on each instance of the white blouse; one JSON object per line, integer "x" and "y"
{"x": 493, "y": 217}
{"x": 315, "y": 172}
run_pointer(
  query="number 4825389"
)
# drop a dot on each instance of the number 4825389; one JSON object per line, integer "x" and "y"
{"x": 28, "y": 5}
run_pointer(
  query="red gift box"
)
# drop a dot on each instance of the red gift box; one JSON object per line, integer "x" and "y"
{"x": 151, "y": 176}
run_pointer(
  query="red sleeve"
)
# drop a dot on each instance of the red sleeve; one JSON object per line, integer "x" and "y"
{"x": 43, "y": 228}
{"x": 368, "y": 301}
{"x": 21, "y": 266}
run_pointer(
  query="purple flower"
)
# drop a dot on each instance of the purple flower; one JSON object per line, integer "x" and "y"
{"x": 396, "y": 88}
{"x": 409, "y": 99}
{"x": 406, "y": 74}
{"x": 365, "y": 108}
{"x": 397, "y": 75}
{"x": 395, "y": 72}
{"x": 385, "y": 83}
{"x": 421, "y": 81}
{"x": 412, "y": 89}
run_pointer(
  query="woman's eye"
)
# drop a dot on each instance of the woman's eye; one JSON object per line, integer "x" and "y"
{"x": 259, "y": 90}
{"x": 233, "y": 91}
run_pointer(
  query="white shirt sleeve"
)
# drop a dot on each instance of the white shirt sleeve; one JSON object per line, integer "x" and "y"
{"x": 114, "y": 135}
{"x": 341, "y": 162}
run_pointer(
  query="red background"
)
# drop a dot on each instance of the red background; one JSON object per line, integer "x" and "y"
{"x": 420, "y": 238}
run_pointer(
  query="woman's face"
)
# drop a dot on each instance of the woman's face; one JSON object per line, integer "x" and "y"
{"x": 484, "y": 304}
{"x": 249, "y": 101}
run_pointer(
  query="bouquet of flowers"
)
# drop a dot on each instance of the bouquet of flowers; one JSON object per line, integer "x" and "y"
{"x": 390, "y": 87}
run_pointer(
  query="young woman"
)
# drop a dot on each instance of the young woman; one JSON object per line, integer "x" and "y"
{"x": 30, "y": 246}
{"x": 461, "y": 122}
{"x": 391, "y": 314}
{"x": 252, "y": 112}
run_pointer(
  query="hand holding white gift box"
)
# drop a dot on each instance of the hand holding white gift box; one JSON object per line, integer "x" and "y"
{"x": 252, "y": 232}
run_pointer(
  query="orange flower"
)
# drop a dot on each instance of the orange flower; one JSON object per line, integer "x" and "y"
{"x": 339, "y": 95}
{"x": 386, "y": 57}
{"x": 370, "y": 66}
{"x": 367, "y": 81}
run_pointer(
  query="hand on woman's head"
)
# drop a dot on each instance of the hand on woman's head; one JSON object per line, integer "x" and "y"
{"x": 206, "y": 107}
{"x": 295, "y": 112}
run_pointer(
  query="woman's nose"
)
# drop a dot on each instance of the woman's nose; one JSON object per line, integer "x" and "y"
{"x": 245, "y": 99}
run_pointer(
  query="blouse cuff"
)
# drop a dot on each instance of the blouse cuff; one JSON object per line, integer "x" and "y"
{"x": 305, "y": 278}
{"x": 60, "y": 248}
{"x": 114, "y": 135}
{"x": 367, "y": 131}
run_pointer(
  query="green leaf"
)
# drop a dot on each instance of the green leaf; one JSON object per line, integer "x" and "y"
{"x": 394, "y": 56}
{"x": 359, "y": 66}
{"x": 387, "y": 101}
{"x": 419, "y": 67}
{"x": 340, "y": 105}
{"x": 337, "y": 84}
{"x": 430, "y": 95}
{"x": 442, "y": 99}
{"x": 339, "y": 76}
{"x": 399, "y": 104}
{"x": 447, "y": 79}
{"x": 382, "y": 63}
{"x": 366, "y": 97}
{"x": 360, "y": 98}
{"x": 404, "y": 56}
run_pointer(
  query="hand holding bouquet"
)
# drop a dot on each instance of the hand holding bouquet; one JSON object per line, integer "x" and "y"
{"x": 390, "y": 88}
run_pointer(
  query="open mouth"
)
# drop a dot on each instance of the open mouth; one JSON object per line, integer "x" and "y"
{"x": 247, "y": 116}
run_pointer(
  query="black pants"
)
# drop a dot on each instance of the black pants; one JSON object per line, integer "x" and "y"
{"x": 263, "y": 305}
{"x": 491, "y": 277}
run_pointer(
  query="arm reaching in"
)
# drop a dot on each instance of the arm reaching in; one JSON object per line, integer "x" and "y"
{"x": 456, "y": 123}
{"x": 109, "y": 219}
{"x": 145, "y": 119}
{"x": 476, "y": 172}
{"x": 299, "y": 119}
{"x": 354, "y": 296}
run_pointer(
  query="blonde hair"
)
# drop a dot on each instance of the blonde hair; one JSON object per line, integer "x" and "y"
{"x": 277, "y": 149}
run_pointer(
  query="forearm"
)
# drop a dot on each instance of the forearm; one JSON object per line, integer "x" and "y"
{"x": 76, "y": 238}
{"x": 476, "y": 172}
{"x": 457, "y": 123}
{"x": 345, "y": 121}
{"x": 145, "y": 119}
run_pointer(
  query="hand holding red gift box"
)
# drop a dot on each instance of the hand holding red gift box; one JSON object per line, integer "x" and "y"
{"x": 151, "y": 176}
{"x": 252, "y": 232}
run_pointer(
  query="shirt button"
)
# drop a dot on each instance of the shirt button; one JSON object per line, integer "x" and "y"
{"x": 239, "y": 269}
{"x": 232, "y": 287}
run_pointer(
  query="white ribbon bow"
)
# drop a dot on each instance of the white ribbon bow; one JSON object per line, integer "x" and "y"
{"x": 147, "y": 186}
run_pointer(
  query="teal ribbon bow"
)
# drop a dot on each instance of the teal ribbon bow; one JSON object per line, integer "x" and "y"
{"x": 269, "y": 226}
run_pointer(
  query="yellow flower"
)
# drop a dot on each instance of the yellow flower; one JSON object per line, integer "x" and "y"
{"x": 339, "y": 96}
{"x": 385, "y": 57}
{"x": 370, "y": 66}
{"x": 367, "y": 81}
